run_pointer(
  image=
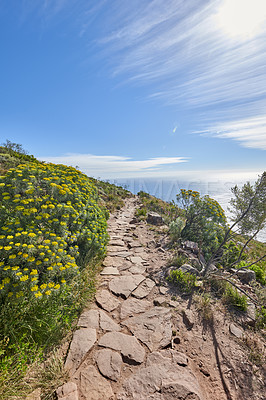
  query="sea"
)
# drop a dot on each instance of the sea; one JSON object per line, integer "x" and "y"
{"x": 167, "y": 189}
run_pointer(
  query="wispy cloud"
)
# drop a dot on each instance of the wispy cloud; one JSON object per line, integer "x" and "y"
{"x": 117, "y": 166}
{"x": 250, "y": 132}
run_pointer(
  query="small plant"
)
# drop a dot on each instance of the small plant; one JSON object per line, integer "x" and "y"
{"x": 233, "y": 298}
{"x": 175, "y": 229}
{"x": 141, "y": 212}
{"x": 177, "y": 261}
{"x": 261, "y": 318}
{"x": 204, "y": 306}
{"x": 185, "y": 281}
{"x": 260, "y": 274}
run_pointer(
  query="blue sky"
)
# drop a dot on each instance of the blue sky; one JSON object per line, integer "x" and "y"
{"x": 137, "y": 88}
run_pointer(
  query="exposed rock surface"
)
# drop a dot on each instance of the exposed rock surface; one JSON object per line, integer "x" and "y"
{"x": 106, "y": 300}
{"x": 82, "y": 342}
{"x": 152, "y": 327}
{"x": 68, "y": 391}
{"x": 144, "y": 289}
{"x": 130, "y": 348}
{"x": 161, "y": 379}
{"x": 93, "y": 386}
{"x": 155, "y": 218}
{"x": 109, "y": 363}
{"x": 124, "y": 285}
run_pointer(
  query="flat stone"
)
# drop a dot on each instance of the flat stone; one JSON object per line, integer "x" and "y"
{"x": 161, "y": 301}
{"x": 163, "y": 289}
{"x": 107, "y": 324}
{"x": 137, "y": 269}
{"x": 116, "y": 242}
{"x": 130, "y": 348}
{"x": 93, "y": 386}
{"x": 236, "y": 331}
{"x": 152, "y": 327}
{"x": 112, "y": 262}
{"x": 188, "y": 319}
{"x": 109, "y": 363}
{"x": 89, "y": 319}
{"x": 136, "y": 259}
{"x": 144, "y": 289}
{"x": 161, "y": 379}
{"x": 131, "y": 307}
{"x": 180, "y": 358}
{"x": 124, "y": 285}
{"x": 134, "y": 244}
{"x": 106, "y": 300}
{"x": 112, "y": 249}
{"x": 82, "y": 342}
{"x": 68, "y": 391}
{"x": 123, "y": 254}
{"x": 110, "y": 271}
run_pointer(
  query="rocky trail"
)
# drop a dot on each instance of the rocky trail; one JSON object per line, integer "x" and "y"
{"x": 140, "y": 341}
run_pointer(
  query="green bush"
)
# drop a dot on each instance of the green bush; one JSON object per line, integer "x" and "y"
{"x": 185, "y": 281}
{"x": 51, "y": 226}
{"x": 260, "y": 273}
{"x": 175, "y": 229}
{"x": 233, "y": 298}
{"x": 141, "y": 212}
{"x": 261, "y": 318}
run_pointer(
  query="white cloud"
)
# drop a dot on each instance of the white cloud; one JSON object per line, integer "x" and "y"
{"x": 117, "y": 166}
{"x": 250, "y": 132}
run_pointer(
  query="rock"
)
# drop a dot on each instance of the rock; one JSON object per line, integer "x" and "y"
{"x": 132, "y": 306}
{"x": 93, "y": 386}
{"x": 180, "y": 358}
{"x": 112, "y": 262}
{"x": 195, "y": 262}
{"x": 133, "y": 221}
{"x": 163, "y": 289}
{"x": 82, "y": 342}
{"x": 117, "y": 242}
{"x": 143, "y": 289}
{"x": 109, "y": 363}
{"x": 192, "y": 246}
{"x": 122, "y": 254}
{"x": 161, "y": 250}
{"x": 188, "y": 319}
{"x": 113, "y": 249}
{"x": 36, "y": 395}
{"x": 68, "y": 391}
{"x": 124, "y": 285}
{"x": 160, "y": 301}
{"x": 152, "y": 327}
{"x": 107, "y": 324}
{"x": 137, "y": 269}
{"x": 110, "y": 271}
{"x": 236, "y": 331}
{"x": 246, "y": 275}
{"x": 106, "y": 300}
{"x": 155, "y": 218}
{"x": 161, "y": 379}
{"x": 133, "y": 244}
{"x": 131, "y": 350}
{"x": 89, "y": 319}
{"x": 189, "y": 269}
{"x": 136, "y": 260}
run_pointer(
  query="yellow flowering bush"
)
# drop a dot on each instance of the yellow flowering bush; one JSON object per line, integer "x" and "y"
{"x": 51, "y": 226}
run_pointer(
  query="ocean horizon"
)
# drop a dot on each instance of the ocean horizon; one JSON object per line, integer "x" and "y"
{"x": 167, "y": 189}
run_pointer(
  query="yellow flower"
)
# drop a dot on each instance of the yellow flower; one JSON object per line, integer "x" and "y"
{"x": 49, "y": 268}
{"x": 24, "y": 278}
{"x": 38, "y": 294}
{"x": 48, "y": 292}
{"x": 12, "y": 256}
{"x": 57, "y": 286}
{"x": 25, "y": 255}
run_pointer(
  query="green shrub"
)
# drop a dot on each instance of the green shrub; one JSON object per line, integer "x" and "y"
{"x": 51, "y": 226}
{"x": 260, "y": 273}
{"x": 261, "y": 318}
{"x": 141, "y": 212}
{"x": 233, "y": 298}
{"x": 177, "y": 261}
{"x": 185, "y": 281}
{"x": 175, "y": 228}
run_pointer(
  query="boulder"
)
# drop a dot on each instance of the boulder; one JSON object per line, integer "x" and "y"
{"x": 246, "y": 275}
{"x": 192, "y": 246}
{"x": 154, "y": 218}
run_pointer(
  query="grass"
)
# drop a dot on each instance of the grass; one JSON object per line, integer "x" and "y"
{"x": 184, "y": 281}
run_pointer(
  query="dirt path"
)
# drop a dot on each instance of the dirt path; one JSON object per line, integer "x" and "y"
{"x": 139, "y": 342}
